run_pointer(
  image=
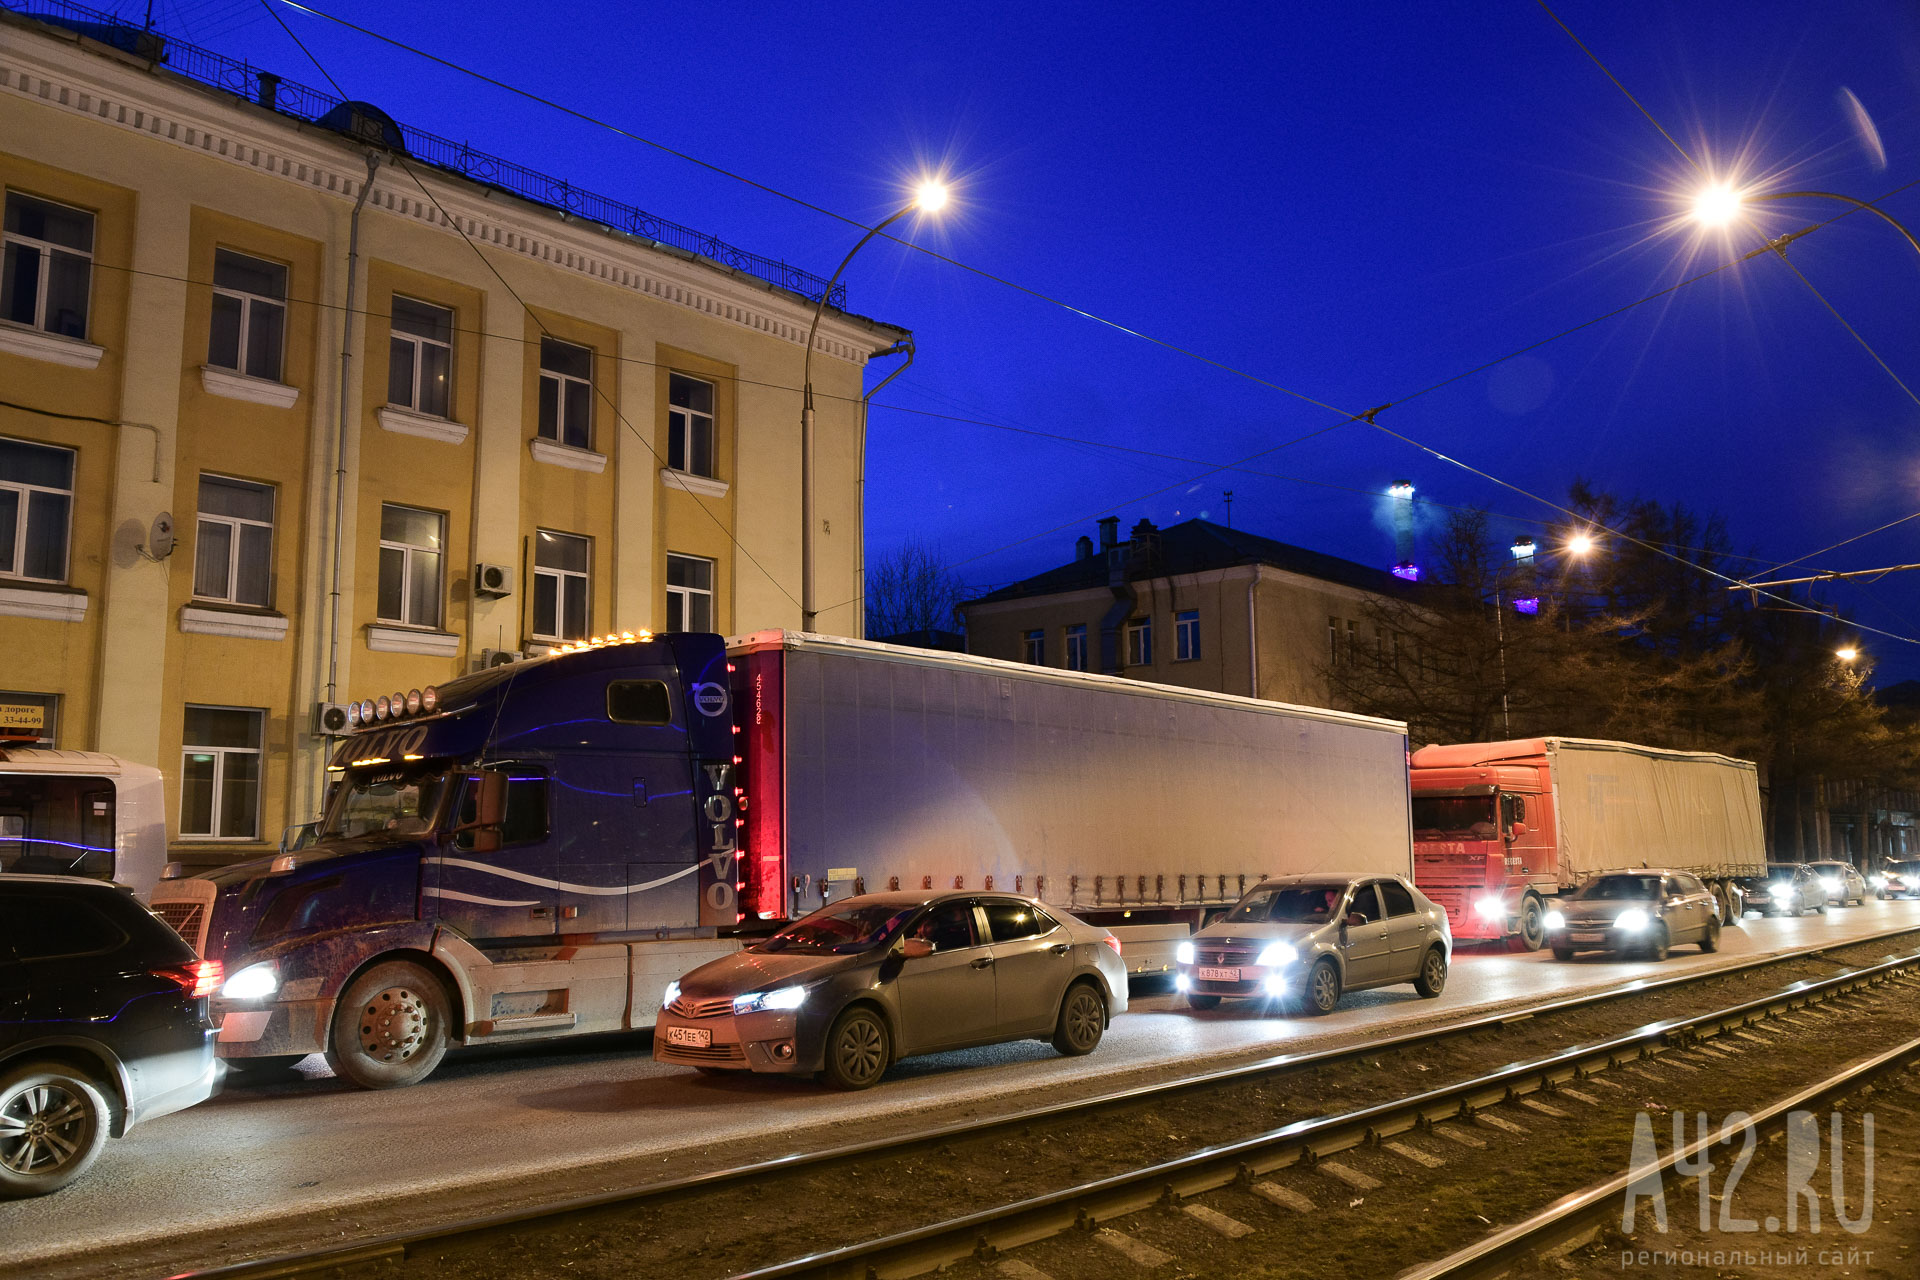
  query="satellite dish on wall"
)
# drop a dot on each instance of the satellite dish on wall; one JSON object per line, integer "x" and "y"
{"x": 160, "y": 536}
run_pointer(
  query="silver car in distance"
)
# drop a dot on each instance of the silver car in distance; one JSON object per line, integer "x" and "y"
{"x": 1307, "y": 939}
{"x": 849, "y": 990}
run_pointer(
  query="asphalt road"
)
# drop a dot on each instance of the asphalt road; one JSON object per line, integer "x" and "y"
{"x": 490, "y": 1118}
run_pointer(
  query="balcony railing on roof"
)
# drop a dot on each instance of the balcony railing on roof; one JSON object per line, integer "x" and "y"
{"x": 302, "y": 102}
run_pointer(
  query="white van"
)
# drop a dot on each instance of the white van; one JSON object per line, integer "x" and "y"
{"x": 82, "y": 813}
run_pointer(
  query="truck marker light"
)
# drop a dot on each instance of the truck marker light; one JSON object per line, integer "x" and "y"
{"x": 413, "y": 755}
{"x": 353, "y": 714}
{"x": 413, "y": 702}
{"x": 399, "y": 704}
{"x": 380, "y": 708}
{"x": 429, "y": 698}
{"x": 371, "y": 760}
{"x": 626, "y": 637}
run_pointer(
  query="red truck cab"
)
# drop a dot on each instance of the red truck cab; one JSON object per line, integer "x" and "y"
{"x": 1485, "y": 838}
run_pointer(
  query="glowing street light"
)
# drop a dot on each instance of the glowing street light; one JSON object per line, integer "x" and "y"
{"x": 1719, "y": 204}
{"x": 1716, "y": 205}
{"x": 1580, "y": 544}
{"x": 929, "y": 197}
{"x": 1846, "y": 653}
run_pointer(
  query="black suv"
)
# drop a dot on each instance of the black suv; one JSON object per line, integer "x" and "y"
{"x": 103, "y": 1024}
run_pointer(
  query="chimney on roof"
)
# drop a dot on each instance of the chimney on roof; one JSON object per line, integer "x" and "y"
{"x": 1144, "y": 530}
{"x": 1109, "y": 532}
{"x": 1083, "y": 549}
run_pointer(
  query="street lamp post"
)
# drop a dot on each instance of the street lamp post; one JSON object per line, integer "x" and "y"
{"x": 929, "y": 198}
{"x": 1718, "y": 205}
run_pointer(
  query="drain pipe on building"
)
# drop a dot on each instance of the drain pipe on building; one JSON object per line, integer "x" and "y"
{"x": 904, "y": 346}
{"x": 340, "y": 434}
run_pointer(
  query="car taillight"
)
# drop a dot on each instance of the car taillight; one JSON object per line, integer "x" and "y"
{"x": 197, "y": 979}
{"x": 1113, "y": 942}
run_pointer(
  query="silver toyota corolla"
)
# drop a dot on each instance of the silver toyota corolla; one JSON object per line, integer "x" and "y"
{"x": 1309, "y": 938}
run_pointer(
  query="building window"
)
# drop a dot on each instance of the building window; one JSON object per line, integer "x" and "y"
{"x": 689, "y": 593}
{"x": 220, "y": 774}
{"x": 1353, "y": 640}
{"x": 1186, "y": 635}
{"x": 1333, "y": 641}
{"x": 420, "y": 357}
{"x": 1140, "y": 642}
{"x": 233, "y": 548}
{"x": 36, "y": 502}
{"x": 566, "y": 393}
{"x": 690, "y": 425}
{"x": 411, "y": 546}
{"x": 19, "y": 711}
{"x": 560, "y": 586}
{"x": 249, "y": 315}
{"x": 1033, "y": 647}
{"x": 47, "y": 271}
{"x": 1076, "y": 637}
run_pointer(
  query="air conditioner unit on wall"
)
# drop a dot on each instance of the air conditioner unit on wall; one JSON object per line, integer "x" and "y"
{"x": 329, "y": 719}
{"x": 493, "y": 579}
{"x": 499, "y": 657}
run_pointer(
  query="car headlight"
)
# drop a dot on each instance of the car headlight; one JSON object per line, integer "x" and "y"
{"x": 1878, "y": 882}
{"x": 1783, "y": 891}
{"x": 783, "y": 999}
{"x": 671, "y": 994}
{"x": 1631, "y": 921}
{"x": 1556, "y": 920}
{"x": 1277, "y": 953}
{"x": 1183, "y": 954}
{"x": 1491, "y": 908}
{"x": 252, "y": 982}
{"x": 1830, "y": 883}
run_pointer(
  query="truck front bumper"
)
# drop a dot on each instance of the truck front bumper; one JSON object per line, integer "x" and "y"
{"x": 271, "y": 1029}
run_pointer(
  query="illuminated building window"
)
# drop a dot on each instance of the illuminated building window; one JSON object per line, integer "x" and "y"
{"x": 689, "y": 593}
{"x": 220, "y": 773}
{"x": 412, "y": 543}
{"x": 1140, "y": 642}
{"x": 1076, "y": 638}
{"x": 249, "y": 315}
{"x": 1186, "y": 635}
{"x": 561, "y": 589}
{"x": 1033, "y": 647}
{"x": 47, "y": 272}
{"x": 689, "y": 425}
{"x": 420, "y": 357}
{"x": 36, "y": 505}
{"x": 233, "y": 545}
{"x": 566, "y": 393}
{"x": 19, "y": 708}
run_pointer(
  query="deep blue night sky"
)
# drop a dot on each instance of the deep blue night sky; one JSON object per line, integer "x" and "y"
{"x": 1354, "y": 203}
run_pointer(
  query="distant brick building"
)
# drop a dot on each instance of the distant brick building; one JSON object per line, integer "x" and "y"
{"x": 1197, "y": 605}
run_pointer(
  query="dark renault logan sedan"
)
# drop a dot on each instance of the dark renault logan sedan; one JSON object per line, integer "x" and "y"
{"x": 852, "y": 988}
{"x": 103, "y": 1025}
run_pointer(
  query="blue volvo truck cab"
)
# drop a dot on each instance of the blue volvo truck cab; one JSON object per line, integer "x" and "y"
{"x": 530, "y": 851}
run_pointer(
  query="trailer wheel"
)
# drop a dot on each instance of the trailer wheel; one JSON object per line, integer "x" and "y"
{"x": 390, "y": 1026}
{"x": 858, "y": 1050}
{"x": 1322, "y": 991}
{"x": 1533, "y": 924}
{"x": 1083, "y": 1020}
{"x": 1432, "y": 979}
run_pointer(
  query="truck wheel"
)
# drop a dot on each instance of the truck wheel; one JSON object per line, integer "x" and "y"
{"x": 1533, "y": 925}
{"x": 1083, "y": 1020}
{"x": 53, "y": 1122}
{"x": 390, "y": 1027}
{"x": 1322, "y": 991}
{"x": 858, "y": 1050}
{"x": 1197, "y": 1001}
{"x": 1563, "y": 953}
{"x": 1710, "y": 940}
{"x": 1432, "y": 979}
{"x": 1657, "y": 943}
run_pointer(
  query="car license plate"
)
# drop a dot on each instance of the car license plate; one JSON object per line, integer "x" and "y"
{"x": 692, "y": 1037}
{"x": 1586, "y": 937}
{"x": 1217, "y": 975}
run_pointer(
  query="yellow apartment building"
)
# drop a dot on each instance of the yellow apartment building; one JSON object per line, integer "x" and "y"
{"x": 293, "y": 412}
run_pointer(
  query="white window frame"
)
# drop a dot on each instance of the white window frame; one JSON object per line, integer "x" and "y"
{"x": 26, "y": 492}
{"x": 406, "y": 550}
{"x": 680, "y": 599}
{"x": 561, "y": 382}
{"x": 1075, "y": 644}
{"x": 1140, "y": 642}
{"x": 1186, "y": 635}
{"x": 1033, "y": 646}
{"x": 248, "y": 301}
{"x": 582, "y": 581}
{"x": 220, "y": 755}
{"x": 235, "y": 523}
{"x": 47, "y": 248}
{"x": 419, "y": 341}
{"x": 681, "y": 422}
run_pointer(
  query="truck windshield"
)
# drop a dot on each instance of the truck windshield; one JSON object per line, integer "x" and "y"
{"x": 1295, "y": 904}
{"x": 840, "y": 930}
{"x": 1454, "y": 817}
{"x": 403, "y": 802}
{"x": 1618, "y": 888}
